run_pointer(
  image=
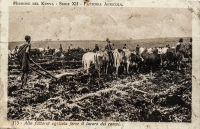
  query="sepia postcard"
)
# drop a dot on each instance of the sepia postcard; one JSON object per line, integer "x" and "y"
{"x": 100, "y": 64}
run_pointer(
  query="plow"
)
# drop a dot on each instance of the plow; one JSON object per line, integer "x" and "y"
{"x": 57, "y": 77}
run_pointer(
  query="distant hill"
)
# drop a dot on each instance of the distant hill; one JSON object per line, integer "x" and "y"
{"x": 131, "y": 44}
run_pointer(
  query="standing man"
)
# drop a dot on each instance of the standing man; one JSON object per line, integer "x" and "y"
{"x": 24, "y": 59}
{"x": 180, "y": 52}
{"x": 108, "y": 46}
{"x": 179, "y": 45}
{"x": 124, "y": 46}
{"x": 61, "y": 49}
{"x": 69, "y": 47}
{"x": 137, "y": 49}
{"x": 190, "y": 48}
{"x": 96, "y": 48}
{"x": 109, "y": 49}
{"x": 48, "y": 50}
{"x": 16, "y": 49}
{"x": 190, "y": 44}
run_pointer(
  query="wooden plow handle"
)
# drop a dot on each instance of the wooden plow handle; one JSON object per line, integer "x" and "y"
{"x": 39, "y": 72}
{"x": 43, "y": 70}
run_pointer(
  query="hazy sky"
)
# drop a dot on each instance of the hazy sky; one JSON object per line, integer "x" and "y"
{"x": 97, "y": 23}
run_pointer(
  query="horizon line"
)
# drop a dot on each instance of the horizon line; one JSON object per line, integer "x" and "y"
{"x": 97, "y": 40}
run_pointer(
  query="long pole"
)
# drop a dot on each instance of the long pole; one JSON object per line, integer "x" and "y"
{"x": 44, "y": 70}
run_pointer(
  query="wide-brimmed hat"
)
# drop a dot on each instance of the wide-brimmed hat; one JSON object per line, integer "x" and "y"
{"x": 108, "y": 40}
{"x": 27, "y": 37}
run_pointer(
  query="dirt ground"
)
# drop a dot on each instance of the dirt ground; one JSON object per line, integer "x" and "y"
{"x": 165, "y": 96}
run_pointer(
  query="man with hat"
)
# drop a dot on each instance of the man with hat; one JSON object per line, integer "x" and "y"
{"x": 109, "y": 49}
{"x": 179, "y": 45}
{"x": 24, "y": 59}
{"x": 96, "y": 48}
{"x": 108, "y": 46}
{"x": 180, "y": 50}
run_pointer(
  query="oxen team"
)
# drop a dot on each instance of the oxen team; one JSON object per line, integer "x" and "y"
{"x": 35, "y": 52}
{"x": 149, "y": 58}
{"x": 109, "y": 60}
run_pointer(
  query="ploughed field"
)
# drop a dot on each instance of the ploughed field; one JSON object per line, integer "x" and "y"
{"x": 164, "y": 96}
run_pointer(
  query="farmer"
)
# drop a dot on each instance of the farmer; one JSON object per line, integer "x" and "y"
{"x": 180, "y": 50}
{"x": 190, "y": 44}
{"x": 189, "y": 49}
{"x": 108, "y": 46}
{"x": 61, "y": 49}
{"x": 109, "y": 49}
{"x": 137, "y": 49}
{"x": 16, "y": 49}
{"x": 96, "y": 48}
{"x": 124, "y": 47}
{"x": 24, "y": 59}
{"x": 179, "y": 45}
{"x": 69, "y": 47}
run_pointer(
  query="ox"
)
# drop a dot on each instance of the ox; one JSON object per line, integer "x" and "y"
{"x": 151, "y": 60}
{"x": 125, "y": 56}
{"x": 58, "y": 53}
{"x": 102, "y": 60}
{"x": 177, "y": 57}
{"x": 162, "y": 52}
{"x": 41, "y": 50}
{"x": 135, "y": 58}
{"x": 87, "y": 59}
{"x": 99, "y": 59}
{"x": 13, "y": 53}
{"x": 49, "y": 51}
{"x": 174, "y": 57}
{"x": 118, "y": 58}
{"x": 127, "y": 59}
{"x": 35, "y": 53}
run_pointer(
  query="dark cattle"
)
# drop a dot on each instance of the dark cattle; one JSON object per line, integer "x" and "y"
{"x": 35, "y": 53}
{"x": 171, "y": 56}
{"x": 187, "y": 51}
{"x": 105, "y": 62}
{"x": 174, "y": 57}
{"x": 76, "y": 50}
{"x": 110, "y": 60}
{"x": 51, "y": 51}
{"x": 59, "y": 53}
{"x": 151, "y": 60}
{"x": 137, "y": 59}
